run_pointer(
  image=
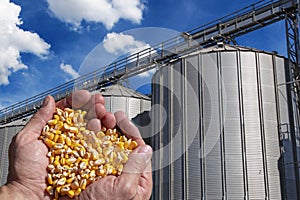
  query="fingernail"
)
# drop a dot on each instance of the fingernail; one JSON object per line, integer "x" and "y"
{"x": 46, "y": 101}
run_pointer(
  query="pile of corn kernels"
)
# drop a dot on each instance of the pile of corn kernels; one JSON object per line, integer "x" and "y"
{"x": 78, "y": 156}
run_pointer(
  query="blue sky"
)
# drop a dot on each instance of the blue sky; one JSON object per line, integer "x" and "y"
{"x": 44, "y": 43}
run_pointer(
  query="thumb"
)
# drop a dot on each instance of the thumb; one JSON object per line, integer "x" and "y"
{"x": 134, "y": 168}
{"x": 35, "y": 125}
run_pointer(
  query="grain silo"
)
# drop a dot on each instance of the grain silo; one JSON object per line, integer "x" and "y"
{"x": 7, "y": 132}
{"x": 134, "y": 104}
{"x": 218, "y": 138}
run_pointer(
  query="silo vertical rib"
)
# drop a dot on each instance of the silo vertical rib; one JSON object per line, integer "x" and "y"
{"x": 262, "y": 125}
{"x": 252, "y": 126}
{"x": 244, "y": 151}
{"x": 212, "y": 127}
{"x": 202, "y": 128}
{"x": 221, "y": 120}
{"x": 176, "y": 113}
{"x": 232, "y": 138}
{"x": 192, "y": 113}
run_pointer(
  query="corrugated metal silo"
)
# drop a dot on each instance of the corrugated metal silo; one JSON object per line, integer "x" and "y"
{"x": 7, "y": 132}
{"x": 134, "y": 104}
{"x": 218, "y": 125}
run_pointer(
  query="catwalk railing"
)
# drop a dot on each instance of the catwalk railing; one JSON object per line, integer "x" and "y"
{"x": 224, "y": 29}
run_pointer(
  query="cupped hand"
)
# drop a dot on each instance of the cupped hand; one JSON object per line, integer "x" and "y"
{"x": 135, "y": 182}
{"x": 28, "y": 160}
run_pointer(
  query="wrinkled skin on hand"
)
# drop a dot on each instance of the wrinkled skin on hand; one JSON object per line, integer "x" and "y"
{"x": 28, "y": 160}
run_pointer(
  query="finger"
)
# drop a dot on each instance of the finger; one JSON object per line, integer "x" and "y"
{"x": 39, "y": 119}
{"x": 94, "y": 125}
{"x": 95, "y": 99}
{"x": 109, "y": 120}
{"x": 128, "y": 128}
{"x": 96, "y": 111}
{"x": 75, "y": 100}
{"x": 146, "y": 182}
{"x": 98, "y": 98}
{"x": 135, "y": 166}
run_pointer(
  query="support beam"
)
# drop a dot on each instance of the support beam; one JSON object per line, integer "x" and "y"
{"x": 293, "y": 51}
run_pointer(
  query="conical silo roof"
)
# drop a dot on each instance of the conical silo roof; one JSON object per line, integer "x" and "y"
{"x": 119, "y": 90}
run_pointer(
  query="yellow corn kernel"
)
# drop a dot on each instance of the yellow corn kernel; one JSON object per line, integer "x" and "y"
{"x": 113, "y": 138}
{"x": 59, "y": 151}
{"x": 99, "y": 161}
{"x": 62, "y": 161}
{"x": 82, "y": 184}
{"x": 58, "y": 146}
{"x": 127, "y": 143}
{"x": 122, "y": 156}
{"x": 45, "y": 129}
{"x": 50, "y": 167}
{"x": 132, "y": 145}
{"x": 120, "y": 145}
{"x": 49, "y": 143}
{"x": 82, "y": 152}
{"x": 62, "y": 139}
{"x": 56, "y": 161}
{"x": 78, "y": 160}
{"x": 68, "y": 141}
{"x": 83, "y": 113}
{"x": 70, "y": 193}
{"x": 52, "y": 122}
{"x": 75, "y": 153}
{"x": 61, "y": 181}
{"x": 70, "y": 180}
{"x": 73, "y": 129}
{"x": 50, "y": 136}
{"x": 64, "y": 189}
{"x": 83, "y": 142}
{"x": 83, "y": 165}
{"x": 77, "y": 192}
{"x": 123, "y": 138}
{"x": 59, "y": 111}
{"x": 92, "y": 174}
{"x": 108, "y": 168}
{"x": 69, "y": 121}
{"x": 55, "y": 138}
{"x": 76, "y": 145}
{"x": 95, "y": 155}
{"x": 49, "y": 179}
{"x": 114, "y": 172}
{"x": 100, "y": 134}
{"x": 109, "y": 132}
{"x": 59, "y": 125}
{"x": 70, "y": 161}
{"x": 50, "y": 190}
{"x": 51, "y": 159}
{"x": 69, "y": 110}
{"x": 57, "y": 189}
{"x": 120, "y": 169}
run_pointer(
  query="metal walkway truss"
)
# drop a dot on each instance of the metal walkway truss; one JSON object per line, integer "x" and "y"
{"x": 225, "y": 29}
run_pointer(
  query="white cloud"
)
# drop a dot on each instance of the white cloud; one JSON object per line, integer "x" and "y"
{"x": 107, "y": 12}
{"x": 14, "y": 40}
{"x": 68, "y": 69}
{"x": 147, "y": 74}
{"x": 119, "y": 43}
